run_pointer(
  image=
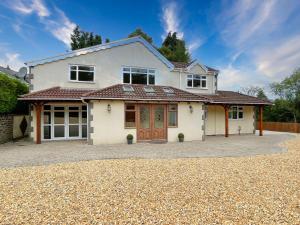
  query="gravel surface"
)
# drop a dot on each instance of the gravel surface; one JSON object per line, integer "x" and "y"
{"x": 244, "y": 190}
{"x": 28, "y": 154}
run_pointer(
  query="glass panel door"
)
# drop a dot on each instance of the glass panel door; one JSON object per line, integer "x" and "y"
{"x": 73, "y": 122}
{"x": 59, "y": 124}
{"x": 159, "y": 116}
{"x": 145, "y": 117}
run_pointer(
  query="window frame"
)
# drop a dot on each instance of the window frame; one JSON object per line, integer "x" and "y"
{"x": 130, "y": 110}
{"x": 77, "y": 70}
{"x": 238, "y": 110}
{"x": 202, "y": 78}
{"x": 169, "y": 105}
{"x": 148, "y": 73}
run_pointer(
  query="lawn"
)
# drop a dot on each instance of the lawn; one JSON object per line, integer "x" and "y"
{"x": 243, "y": 190}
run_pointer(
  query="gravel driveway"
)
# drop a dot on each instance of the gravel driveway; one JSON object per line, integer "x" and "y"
{"x": 26, "y": 154}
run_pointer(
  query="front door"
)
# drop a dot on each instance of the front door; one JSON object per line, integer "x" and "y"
{"x": 152, "y": 122}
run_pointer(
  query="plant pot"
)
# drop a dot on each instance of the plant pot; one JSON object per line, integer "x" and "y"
{"x": 129, "y": 141}
{"x": 181, "y": 139}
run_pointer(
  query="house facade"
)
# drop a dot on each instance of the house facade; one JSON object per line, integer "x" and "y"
{"x": 105, "y": 92}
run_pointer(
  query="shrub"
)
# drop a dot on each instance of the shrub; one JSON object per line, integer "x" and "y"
{"x": 180, "y": 135}
{"x": 130, "y": 137}
{"x": 10, "y": 90}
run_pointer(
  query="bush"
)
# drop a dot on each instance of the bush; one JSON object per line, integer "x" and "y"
{"x": 10, "y": 90}
{"x": 129, "y": 137}
{"x": 180, "y": 135}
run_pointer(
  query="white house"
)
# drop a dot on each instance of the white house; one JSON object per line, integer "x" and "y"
{"x": 104, "y": 92}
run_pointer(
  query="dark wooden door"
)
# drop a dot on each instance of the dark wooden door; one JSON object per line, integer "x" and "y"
{"x": 144, "y": 123}
{"x": 159, "y": 122}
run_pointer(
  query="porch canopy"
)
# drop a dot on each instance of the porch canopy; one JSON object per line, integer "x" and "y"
{"x": 226, "y": 99}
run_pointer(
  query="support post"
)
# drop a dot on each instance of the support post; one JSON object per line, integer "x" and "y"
{"x": 38, "y": 111}
{"x": 226, "y": 107}
{"x": 260, "y": 126}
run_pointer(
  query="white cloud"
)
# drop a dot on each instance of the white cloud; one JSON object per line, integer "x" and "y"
{"x": 170, "y": 19}
{"x": 29, "y": 7}
{"x": 13, "y": 60}
{"x": 194, "y": 45}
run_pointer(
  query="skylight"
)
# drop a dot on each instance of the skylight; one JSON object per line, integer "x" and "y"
{"x": 149, "y": 89}
{"x": 168, "y": 90}
{"x": 128, "y": 88}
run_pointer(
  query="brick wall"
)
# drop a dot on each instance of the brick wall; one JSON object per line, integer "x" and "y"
{"x": 6, "y": 128}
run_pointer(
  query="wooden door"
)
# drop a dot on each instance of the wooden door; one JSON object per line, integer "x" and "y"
{"x": 159, "y": 122}
{"x": 144, "y": 123}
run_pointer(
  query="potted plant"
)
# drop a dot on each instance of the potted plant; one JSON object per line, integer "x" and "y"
{"x": 181, "y": 137}
{"x": 129, "y": 139}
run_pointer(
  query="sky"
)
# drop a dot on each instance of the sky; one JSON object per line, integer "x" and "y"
{"x": 251, "y": 42}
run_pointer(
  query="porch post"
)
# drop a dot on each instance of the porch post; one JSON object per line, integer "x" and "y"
{"x": 226, "y": 107}
{"x": 260, "y": 126}
{"x": 38, "y": 110}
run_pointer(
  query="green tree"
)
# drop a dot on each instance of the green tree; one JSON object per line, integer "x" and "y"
{"x": 10, "y": 90}
{"x": 81, "y": 39}
{"x": 140, "y": 32}
{"x": 174, "y": 49}
{"x": 107, "y": 40}
{"x": 288, "y": 91}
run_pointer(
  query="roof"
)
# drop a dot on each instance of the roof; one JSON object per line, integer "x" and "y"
{"x": 138, "y": 93}
{"x": 184, "y": 65}
{"x": 8, "y": 71}
{"x": 230, "y": 97}
{"x": 56, "y": 93}
{"x": 104, "y": 46}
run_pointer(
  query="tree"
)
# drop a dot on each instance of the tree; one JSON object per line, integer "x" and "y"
{"x": 81, "y": 39}
{"x": 251, "y": 90}
{"x": 140, "y": 32}
{"x": 10, "y": 90}
{"x": 288, "y": 91}
{"x": 107, "y": 40}
{"x": 174, "y": 49}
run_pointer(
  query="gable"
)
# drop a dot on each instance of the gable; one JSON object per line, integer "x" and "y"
{"x": 197, "y": 69}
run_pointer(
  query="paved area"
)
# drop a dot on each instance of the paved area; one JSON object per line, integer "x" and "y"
{"x": 23, "y": 153}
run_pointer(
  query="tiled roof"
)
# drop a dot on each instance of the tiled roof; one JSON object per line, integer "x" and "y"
{"x": 57, "y": 93}
{"x": 183, "y": 65}
{"x": 138, "y": 93}
{"x": 230, "y": 97}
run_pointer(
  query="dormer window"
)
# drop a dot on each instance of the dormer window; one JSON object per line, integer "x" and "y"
{"x": 82, "y": 73}
{"x": 196, "y": 81}
{"x": 132, "y": 75}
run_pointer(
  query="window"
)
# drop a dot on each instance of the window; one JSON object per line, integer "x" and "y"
{"x": 172, "y": 115}
{"x": 236, "y": 112}
{"x": 196, "y": 81}
{"x": 138, "y": 76}
{"x": 129, "y": 116}
{"x": 82, "y": 73}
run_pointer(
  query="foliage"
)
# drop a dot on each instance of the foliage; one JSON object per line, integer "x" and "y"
{"x": 10, "y": 90}
{"x": 129, "y": 137}
{"x": 83, "y": 39}
{"x": 174, "y": 49}
{"x": 180, "y": 135}
{"x": 252, "y": 90}
{"x": 140, "y": 32}
{"x": 107, "y": 40}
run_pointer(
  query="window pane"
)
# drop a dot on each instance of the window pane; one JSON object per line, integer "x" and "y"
{"x": 190, "y": 76}
{"x": 130, "y": 119}
{"x": 85, "y": 76}
{"x": 234, "y": 114}
{"x": 203, "y": 83}
{"x": 190, "y": 83}
{"x": 196, "y": 83}
{"x": 173, "y": 107}
{"x": 197, "y": 77}
{"x": 130, "y": 107}
{"x": 126, "y": 78}
{"x": 73, "y": 117}
{"x": 137, "y": 70}
{"x": 151, "y": 79}
{"x": 151, "y": 71}
{"x": 241, "y": 115}
{"x": 59, "y": 117}
{"x": 74, "y": 130}
{"x": 230, "y": 114}
{"x": 159, "y": 117}
{"x": 59, "y": 131}
{"x": 84, "y": 131}
{"x": 59, "y": 108}
{"x": 86, "y": 68}
{"x": 139, "y": 78}
{"x": 47, "y": 117}
{"x": 145, "y": 117}
{"x": 73, "y": 108}
{"x": 73, "y": 75}
{"x": 73, "y": 67}
{"x": 47, "y": 107}
{"x": 84, "y": 117}
{"x": 47, "y": 132}
{"x": 84, "y": 107}
{"x": 172, "y": 119}
{"x": 126, "y": 69}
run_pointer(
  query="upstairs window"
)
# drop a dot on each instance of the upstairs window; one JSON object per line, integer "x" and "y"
{"x": 236, "y": 113}
{"x": 133, "y": 75}
{"x": 82, "y": 73}
{"x": 196, "y": 81}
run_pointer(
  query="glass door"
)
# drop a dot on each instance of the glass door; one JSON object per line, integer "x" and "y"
{"x": 144, "y": 126}
{"x": 159, "y": 124}
{"x": 59, "y": 122}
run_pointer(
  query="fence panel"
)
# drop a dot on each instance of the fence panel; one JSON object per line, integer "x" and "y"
{"x": 282, "y": 127}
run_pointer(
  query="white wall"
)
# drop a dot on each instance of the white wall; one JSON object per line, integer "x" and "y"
{"x": 215, "y": 123}
{"x": 109, "y": 127}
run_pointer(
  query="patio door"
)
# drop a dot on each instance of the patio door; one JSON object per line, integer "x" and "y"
{"x": 152, "y": 122}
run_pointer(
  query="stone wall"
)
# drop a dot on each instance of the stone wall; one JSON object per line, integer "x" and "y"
{"x": 6, "y": 128}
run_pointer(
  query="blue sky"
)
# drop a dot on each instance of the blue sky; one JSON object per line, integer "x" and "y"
{"x": 252, "y": 42}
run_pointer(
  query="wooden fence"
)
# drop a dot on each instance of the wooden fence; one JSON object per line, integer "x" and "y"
{"x": 282, "y": 127}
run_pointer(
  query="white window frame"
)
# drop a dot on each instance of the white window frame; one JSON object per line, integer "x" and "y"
{"x": 202, "y": 77}
{"x": 66, "y": 123}
{"x": 77, "y": 70}
{"x": 135, "y": 67}
{"x": 238, "y": 110}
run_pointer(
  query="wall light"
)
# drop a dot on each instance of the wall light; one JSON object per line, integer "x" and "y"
{"x": 191, "y": 108}
{"x": 108, "y": 108}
